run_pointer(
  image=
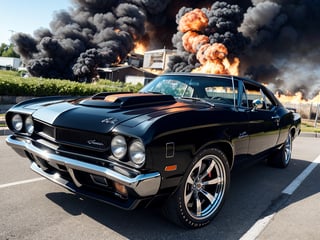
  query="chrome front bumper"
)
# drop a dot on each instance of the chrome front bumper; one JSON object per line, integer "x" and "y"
{"x": 143, "y": 185}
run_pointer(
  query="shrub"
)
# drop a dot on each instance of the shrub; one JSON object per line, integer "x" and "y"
{"x": 12, "y": 84}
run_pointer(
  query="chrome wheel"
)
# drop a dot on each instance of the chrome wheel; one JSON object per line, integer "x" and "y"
{"x": 287, "y": 150}
{"x": 205, "y": 187}
{"x": 282, "y": 157}
{"x": 202, "y": 191}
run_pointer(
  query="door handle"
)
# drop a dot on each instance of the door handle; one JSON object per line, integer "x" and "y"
{"x": 276, "y": 118}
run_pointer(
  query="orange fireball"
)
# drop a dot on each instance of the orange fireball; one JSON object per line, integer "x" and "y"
{"x": 195, "y": 20}
{"x": 213, "y": 59}
{"x": 193, "y": 41}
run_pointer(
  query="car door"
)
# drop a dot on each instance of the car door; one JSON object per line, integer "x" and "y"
{"x": 263, "y": 129}
{"x": 224, "y": 94}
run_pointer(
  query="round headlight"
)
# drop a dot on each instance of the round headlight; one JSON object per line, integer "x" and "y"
{"x": 29, "y": 125}
{"x": 137, "y": 152}
{"x": 119, "y": 146}
{"x": 17, "y": 122}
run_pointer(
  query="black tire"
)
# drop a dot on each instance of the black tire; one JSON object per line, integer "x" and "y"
{"x": 202, "y": 192}
{"x": 282, "y": 157}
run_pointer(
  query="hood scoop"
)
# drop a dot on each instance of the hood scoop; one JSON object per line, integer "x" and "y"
{"x": 127, "y": 100}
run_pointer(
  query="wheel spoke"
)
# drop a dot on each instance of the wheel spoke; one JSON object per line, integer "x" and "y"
{"x": 188, "y": 196}
{"x": 208, "y": 195}
{"x": 213, "y": 181}
{"x": 208, "y": 170}
{"x": 197, "y": 166}
{"x": 190, "y": 180}
{"x": 198, "y": 205}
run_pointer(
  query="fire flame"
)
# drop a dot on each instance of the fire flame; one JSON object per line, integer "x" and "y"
{"x": 297, "y": 98}
{"x": 140, "y": 47}
{"x": 192, "y": 41}
{"x": 195, "y": 20}
{"x": 212, "y": 57}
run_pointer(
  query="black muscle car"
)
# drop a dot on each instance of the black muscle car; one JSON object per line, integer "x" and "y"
{"x": 177, "y": 139}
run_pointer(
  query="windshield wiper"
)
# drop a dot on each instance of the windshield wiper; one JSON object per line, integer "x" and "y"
{"x": 198, "y": 100}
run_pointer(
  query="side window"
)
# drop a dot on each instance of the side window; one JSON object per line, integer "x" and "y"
{"x": 253, "y": 93}
{"x": 243, "y": 99}
{"x": 225, "y": 92}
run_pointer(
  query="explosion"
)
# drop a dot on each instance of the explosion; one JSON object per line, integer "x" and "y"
{"x": 277, "y": 41}
{"x": 206, "y": 37}
{"x": 140, "y": 47}
{"x": 195, "y": 20}
{"x": 193, "y": 41}
{"x": 212, "y": 57}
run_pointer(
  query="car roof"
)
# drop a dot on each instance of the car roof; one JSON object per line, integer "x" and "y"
{"x": 226, "y": 76}
{"x": 242, "y": 78}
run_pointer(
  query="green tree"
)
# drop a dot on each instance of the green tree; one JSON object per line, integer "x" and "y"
{"x": 3, "y": 47}
{"x": 7, "y": 51}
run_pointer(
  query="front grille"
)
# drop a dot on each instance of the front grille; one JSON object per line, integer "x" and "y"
{"x": 94, "y": 141}
{"x": 44, "y": 130}
{"x": 72, "y": 138}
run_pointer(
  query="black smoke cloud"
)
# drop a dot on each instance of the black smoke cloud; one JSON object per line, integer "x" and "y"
{"x": 224, "y": 20}
{"x": 93, "y": 33}
{"x": 284, "y": 39}
{"x": 277, "y": 41}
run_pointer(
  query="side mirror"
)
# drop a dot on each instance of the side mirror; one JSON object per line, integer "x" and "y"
{"x": 257, "y": 104}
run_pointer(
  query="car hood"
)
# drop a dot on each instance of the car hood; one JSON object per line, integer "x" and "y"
{"x": 102, "y": 113}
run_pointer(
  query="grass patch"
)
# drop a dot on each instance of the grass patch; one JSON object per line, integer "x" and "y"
{"x": 308, "y": 126}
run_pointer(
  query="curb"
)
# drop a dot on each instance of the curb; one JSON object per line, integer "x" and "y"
{"x": 4, "y": 131}
{"x": 309, "y": 134}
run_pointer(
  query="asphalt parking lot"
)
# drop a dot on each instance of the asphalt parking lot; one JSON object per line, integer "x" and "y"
{"x": 263, "y": 203}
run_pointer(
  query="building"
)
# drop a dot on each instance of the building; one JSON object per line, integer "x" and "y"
{"x": 126, "y": 73}
{"x": 157, "y": 59}
{"x": 138, "y": 68}
{"x": 9, "y": 63}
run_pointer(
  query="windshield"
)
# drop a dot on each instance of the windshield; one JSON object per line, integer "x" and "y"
{"x": 214, "y": 89}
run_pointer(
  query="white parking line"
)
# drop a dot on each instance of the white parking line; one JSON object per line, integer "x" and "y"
{"x": 21, "y": 182}
{"x": 298, "y": 180}
{"x": 262, "y": 223}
